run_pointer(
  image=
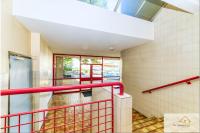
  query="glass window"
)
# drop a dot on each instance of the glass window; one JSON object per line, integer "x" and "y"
{"x": 107, "y": 4}
{"x": 85, "y": 71}
{"x": 91, "y": 60}
{"x": 111, "y": 69}
{"x": 71, "y": 66}
{"x": 97, "y": 71}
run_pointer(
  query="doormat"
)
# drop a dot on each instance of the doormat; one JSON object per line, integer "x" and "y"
{"x": 87, "y": 93}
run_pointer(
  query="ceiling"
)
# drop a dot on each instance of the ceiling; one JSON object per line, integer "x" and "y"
{"x": 61, "y": 38}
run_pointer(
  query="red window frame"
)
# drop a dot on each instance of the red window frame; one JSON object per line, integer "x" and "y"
{"x": 80, "y": 57}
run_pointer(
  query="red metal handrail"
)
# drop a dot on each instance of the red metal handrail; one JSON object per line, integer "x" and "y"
{"x": 76, "y": 112}
{"x": 59, "y": 88}
{"x": 171, "y": 84}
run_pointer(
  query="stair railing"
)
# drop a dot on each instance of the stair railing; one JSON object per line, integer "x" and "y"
{"x": 108, "y": 104}
{"x": 188, "y": 81}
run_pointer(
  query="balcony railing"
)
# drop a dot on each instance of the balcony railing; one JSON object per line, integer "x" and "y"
{"x": 77, "y": 112}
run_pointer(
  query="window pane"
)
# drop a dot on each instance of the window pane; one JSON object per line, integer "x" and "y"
{"x": 71, "y": 66}
{"x": 107, "y": 4}
{"x": 97, "y": 71}
{"x": 111, "y": 69}
{"x": 91, "y": 60}
{"x": 85, "y": 71}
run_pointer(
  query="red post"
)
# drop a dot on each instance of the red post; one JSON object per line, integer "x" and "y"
{"x": 32, "y": 123}
{"x": 19, "y": 122}
{"x": 98, "y": 117}
{"x": 80, "y": 71}
{"x": 53, "y": 70}
{"x": 112, "y": 95}
{"x": 105, "y": 116}
{"x": 5, "y": 121}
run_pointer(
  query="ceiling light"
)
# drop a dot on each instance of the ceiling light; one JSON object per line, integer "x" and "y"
{"x": 111, "y": 48}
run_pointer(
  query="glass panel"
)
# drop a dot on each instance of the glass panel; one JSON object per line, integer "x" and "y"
{"x": 91, "y": 60}
{"x": 85, "y": 71}
{"x": 112, "y": 79}
{"x": 144, "y": 9}
{"x": 129, "y": 7}
{"x": 111, "y": 69}
{"x": 71, "y": 66}
{"x": 97, "y": 71}
{"x": 70, "y": 82}
{"x": 107, "y": 4}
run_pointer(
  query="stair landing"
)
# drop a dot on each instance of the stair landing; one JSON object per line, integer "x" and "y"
{"x": 141, "y": 123}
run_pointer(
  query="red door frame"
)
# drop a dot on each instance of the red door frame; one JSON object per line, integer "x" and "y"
{"x": 91, "y": 78}
{"x": 80, "y": 57}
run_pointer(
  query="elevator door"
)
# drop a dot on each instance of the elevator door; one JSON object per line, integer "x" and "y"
{"x": 20, "y": 77}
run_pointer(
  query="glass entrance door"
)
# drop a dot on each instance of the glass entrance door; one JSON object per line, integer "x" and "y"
{"x": 91, "y": 73}
{"x": 97, "y": 73}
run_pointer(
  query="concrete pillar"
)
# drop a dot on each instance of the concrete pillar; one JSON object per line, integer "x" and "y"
{"x": 35, "y": 55}
{"x": 122, "y": 110}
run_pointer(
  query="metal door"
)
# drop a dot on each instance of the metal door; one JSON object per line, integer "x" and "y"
{"x": 20, "y": 77}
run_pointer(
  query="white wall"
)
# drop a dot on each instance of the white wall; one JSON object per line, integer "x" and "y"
{"x": 16, "y": 38}
{"x": 173, "y": 56}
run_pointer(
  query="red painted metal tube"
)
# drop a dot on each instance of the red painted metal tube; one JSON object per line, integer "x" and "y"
{"x": 58, "y": 88}
{"x": 171, "y": 84}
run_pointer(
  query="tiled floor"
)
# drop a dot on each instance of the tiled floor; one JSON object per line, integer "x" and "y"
{"x": 63, "y": 116}
{"x": 141, "y": 124}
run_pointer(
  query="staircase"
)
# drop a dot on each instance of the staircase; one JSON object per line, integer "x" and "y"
{"x": 142, "y": 124}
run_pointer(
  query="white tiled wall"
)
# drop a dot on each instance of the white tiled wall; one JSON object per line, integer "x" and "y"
{"x": 172, "y": 56}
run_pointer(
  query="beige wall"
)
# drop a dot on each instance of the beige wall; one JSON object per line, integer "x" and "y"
{"x": 42, "y": 72}
{"x": 46, "y": 57}
{"x": 46, "y": 60}
{"x": 15, "y": 38}
{"x": 172, "y": 56}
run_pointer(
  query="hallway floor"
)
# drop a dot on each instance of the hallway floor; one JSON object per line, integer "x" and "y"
{"x": 141, "y": 124}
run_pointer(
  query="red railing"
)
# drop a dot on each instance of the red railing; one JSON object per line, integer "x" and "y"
{"x": 188, "y": 81}
{"x": 75, "y": 118}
